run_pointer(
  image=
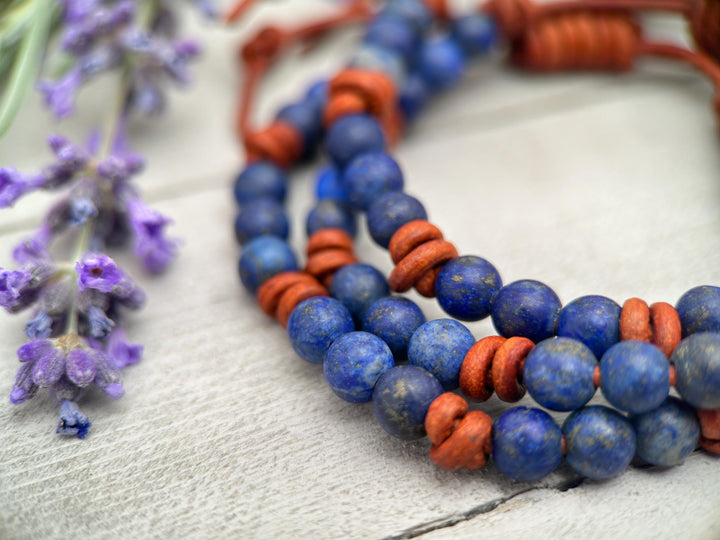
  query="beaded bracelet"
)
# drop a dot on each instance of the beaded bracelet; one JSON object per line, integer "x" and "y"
{"x": 550, "y": 350}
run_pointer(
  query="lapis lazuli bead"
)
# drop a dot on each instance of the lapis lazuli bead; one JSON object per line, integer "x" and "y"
{"x": 558, "y": 374}
{"x": 305, "y": 119}
{"x": 697, "y": 364}
{"x": 390, "y": 212}
{"x": 328, "y": 185}
{"x": 440, "y": 346}
{"x": 634, "y": 376}
{"x": 414, "y": 94}
{"x": 394, "y": 319}
{"x": 527, "y": 444}
{"x": 668, "y": 434}
{"x": 315, "y": 324}
{"x": 395, "y": 33}
{"x": 371, "y": 57}
{"x": 353, "y": 364}
{"x": 476, "y": 33}
{"x": 369, "y": 176}
{"x": 465, "y": 287}
{"x": 317, "y": 96}
{"x": 262, "y": 258}
{"x": 526, "y": 308}
{"x": 594, "y": 320}
{"x": 260, "y": 180}
{"x": 328, "y": 214}
{"x": 600, "y": 441}
{"x": 352, "y": 136}
{"x": 358, "y": 286}
{"x": 413, "y": 11}
{"x": 261, "y": 217}
{"x": 699, "y": 310}
{"x": 402, "y": 398}
{"x": 441, "y": 63}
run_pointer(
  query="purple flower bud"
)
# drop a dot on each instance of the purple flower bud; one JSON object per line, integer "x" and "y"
{"x": 48, "y": 369}
{"x": 153, "y": 248}
{"x": 81, "y": 210}
{"x": 23, "y": 388}
{"x": 34, "y": 249}
{"x": 147, "y": 97}
{"x": 12, "y": 186}
{"x": 80, "y": 366}
{"x": 97, "y": 271}
{"x": 100, "y": 324}
{"x": 60, "y": 95}
{"x": 72, "y": 421}
{"x": 13, "y": 285}
{"x": 187, "y": 49}
{"x": 207, "y": 8}
{"x": 98, "y": 60}
{"x": 32, "y": 350}
{"x": 57, "y": 175}
{"x": 113, "y": 168}
{"x": 120, "y": 352}
{"x": 123, "y": 13}
{"x": 74, "y": 11}
{"x": 137, "y": 41}
{"x": 40, "y": 326}
{"x": 115, "y": 390}
{"x": 108, "y": 377}
{"x": 78, "y": 39}
{"x": 64, "y": 390}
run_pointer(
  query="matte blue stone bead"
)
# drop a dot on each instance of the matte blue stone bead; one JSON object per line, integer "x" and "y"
{"x": 329, "y": 214}
{"x": 440, "y": 347}
{"x": 600, "y": 441}
{"x": 329, "y": 185}
{"x": 668, "y": 434}
{"x": 594, "y": 320}
{"x": 634, "y": 376}
{"x": 261, "y": 217}
{"x": 317, "y": 96}
{"x": 699, "y": 310}
{"x": 262, "y": 258}
{"x": 413, "y": 11}
{"x": 394, "y": 319}
{"x": 414, "y": 94}
{"x": 353, "y": 364}
{"x": 260, "y": 180}
{"x": 390, "y": 212}
{"x": 315, "y": 324}
{"x": 526, "y": 308}
{"x": 558, "y": 374}
{"x": 441, "y": 63}
{"x": 465, "y": 287}
{"x": 358, "y": 286}
{"x": 476, "y": 33}
{"x": 371, "y": 57}
{"x": 401, "y": 400}
{"x": 304, "y": 117}
{"x": 697, "y": 363}
{"x": 352, "y": 136}
{"x": 370, "y": 176}
{"x": 527, "y": 444}
{"x": 395, "y": 33}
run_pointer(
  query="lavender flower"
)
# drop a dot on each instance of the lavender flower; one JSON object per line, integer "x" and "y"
{"x": 152, "y": 246}
{"x": 72, "y": 421}
{"x": 97, "y": 271}
{"x": 60, "y": 95}
{"x": 13, "y": 284}
{"x": 120, "y": 352}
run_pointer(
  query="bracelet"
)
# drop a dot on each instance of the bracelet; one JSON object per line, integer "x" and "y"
{"x": 550, "y": 350}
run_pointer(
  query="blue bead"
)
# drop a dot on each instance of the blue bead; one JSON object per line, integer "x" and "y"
{"x": 600, "y": 442}
{"x": 261, "y": 217}
{"x": 358, "y": 286}
{"x": 476, "y": 33}
{"x": 329, "y": 185}
{"x": 329, "y": 214}
{"x": 353, "y": 364}
{"x": 394, "y": 33}
{"x": 465, "y": 287}
{"x": 262, "y": 258}
{"x": 413, "y": 11}
{"x": 260, "y": 180}
{"x": 414, "y": 94}
{"x": 697, "y": 363}
{"x": 668, "y": 434}
{"x": 305, "y": 119}
{"x": 401, "y": 400}
{"x": 371, "y": 57}
{"x": 370, "y": 176}
{"x": 558, "y": 374}
{"x": 527, "y": 444}
{"x": 352, "y": 136}
{"x": 390, "y": 212}
{"x": 440, "y": 347}
{"x": 441, "y": 63}
{"x": 594, "y": 320}
{"x": 317, "y": 96}
{"x": 634, "y": 376}
{"x": 315, "y": 324}
{"x": 699, "y": 310}
{"x": 394, "y": 320}
{"x": 526, "y": 308}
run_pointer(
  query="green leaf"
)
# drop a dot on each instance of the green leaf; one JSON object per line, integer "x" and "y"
{"x": 27, "y": 61}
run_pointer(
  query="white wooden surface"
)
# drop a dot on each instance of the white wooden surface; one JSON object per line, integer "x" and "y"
{"x": 592, "y": 184}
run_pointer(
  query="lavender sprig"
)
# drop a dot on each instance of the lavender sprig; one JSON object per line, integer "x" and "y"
{"x": 76, "y": 335}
